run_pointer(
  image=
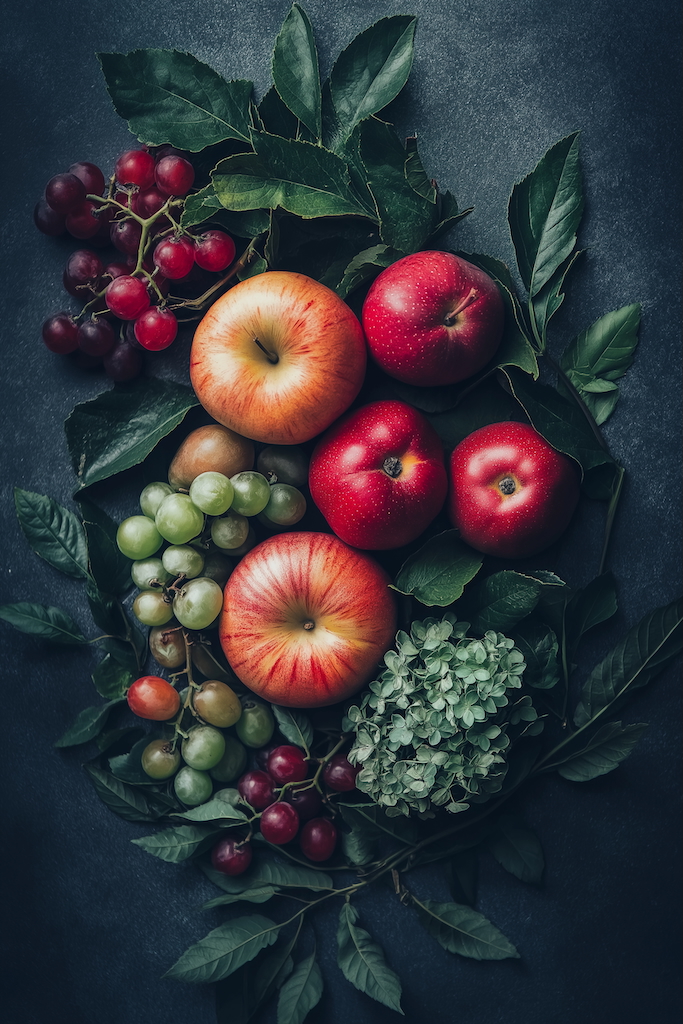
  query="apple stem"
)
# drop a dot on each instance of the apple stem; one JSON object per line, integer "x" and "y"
{"x": 309, "y": 624}
{"x": 392, "y": 466}
{"x": 270, "y": 356}
{"x": 451, "y": 317}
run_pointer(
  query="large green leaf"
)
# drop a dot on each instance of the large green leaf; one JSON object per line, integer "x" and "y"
{"x": 544, "y": 213}
{"x": 372, "y": 70}
{"x": 539, "y": 646}
{"x": 294, "y": 726}
{"x": 216, "y": 809}
{"x": 560, "y": 421}
{"x": 168, "y": 96}
{"x": 406, "y": 218}
{"x": 225, "y": 949}
{"x": 129, "y": 802}
{"x": 112, "y": 679}
{"x": 364, "y": 266}
{"x": 605, "y": 751}
{"x": 297, "y": 176}
{"x": 362, "y": 961}
{"x": 462, "y": 930}
{"x": 89, "y": 724}
{"x": 600, "y": 355}
{"x": 44, "y": 621}
{"x": 178, "y": 843}
{"x": 645, "y": 651}
{"x": 373, "y": 823}
{"x": 438, "y": 573}
{"x": 53, "y": 532}
{"x": 109, "y": 567}
{"x": 503, "y": 599}
{"x": 295, "y": 69}
{"x": 300, "y": 993}
{"x": 548, "y": 300}
{"x": 120, "y": 427}
{"x": 588, "y": 607}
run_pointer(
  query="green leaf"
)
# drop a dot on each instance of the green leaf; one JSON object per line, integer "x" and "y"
{"x": 561, "y": 422}
{"x": 44, "y": 621}
{"x": 205, "y": 205}
{"x": 53, "y": 532}
{"x": 261, "y": 894}
{"x": 177, "y": 844}
{"x": 300, "y": 993}
{"x": 240, "y": 996}
{"x": 590, "y": 606}
{"x": 600, "y": 355}
{"x": 362, "y": 961}
{"x": 216, "y": 809}
{"x": 515, "y": 348}
{"x": 516, "y": 847}
{"x": 89, "y": 723}
{"x": 462, "y": 930}
{"x": 358, "y": 846}
{"x": 416, "y": 174}
{"x": 128, "y": 802}
{"x": 544, "y": 213}
{"x": 438, "y": 573}
{"x": 109, "y": 567}
{"x": 294, "y": 726}
{"x": 120, "y": 427}
{"x": 539, "y": 645}
{"x": 504, "y": 599}
{"x": 276, "y": 118}
{"x": 107, "y": 611}
{"x": 546, "y": 303}
{"x": 297, "y": 176}
{"x": 608, "y": 747}
{"x": 372, "y": 70}
{"x": 128, "y": 768}
{"x": 225, "y": 949}
{"x": 286, "y": 874}
{"x": 406, "y": 219}
{"x": 364, "y": 266}
{"x": 112, "y": 679}
{"x": 171, "y": 97}
{"x": 647, "y": 649}
{"x": 295, "y": 69}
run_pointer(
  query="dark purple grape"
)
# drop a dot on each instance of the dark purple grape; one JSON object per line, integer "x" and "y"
{"x": 96, "y": 337}
{"x": 82, "y": 274}
{"x": 47, "y": 220}
{"x": 60, "y": 334}
{"x": 64, "y": 192}
{"x": 123, "y": 361}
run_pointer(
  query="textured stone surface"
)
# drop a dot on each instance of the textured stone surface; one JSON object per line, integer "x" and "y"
{"x": 94, "y": 921}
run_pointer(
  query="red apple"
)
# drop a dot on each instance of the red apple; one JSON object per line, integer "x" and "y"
{"x": 433, "y": 318}
{"x": 278, "y": 358}
{"x": 306, "y": 619}
{"x": 512, "y": 494}
{"x": 378, "y": 475}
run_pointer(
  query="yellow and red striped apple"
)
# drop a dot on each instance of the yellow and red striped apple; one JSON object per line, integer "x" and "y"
{"x": 278, "y": 358}
{"x": 306, "y": 619}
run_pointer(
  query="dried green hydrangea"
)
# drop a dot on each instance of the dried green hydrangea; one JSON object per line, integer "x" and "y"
{"x": 434, "y": 729}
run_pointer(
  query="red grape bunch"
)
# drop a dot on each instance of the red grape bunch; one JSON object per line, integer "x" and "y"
{"x": 128, "y": 305}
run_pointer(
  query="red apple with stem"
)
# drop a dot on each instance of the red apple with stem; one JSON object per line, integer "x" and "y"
{"x": 306, "y": 619}
{"x": 378, "y": 475}
{"x": 278, "y": 358}
{"x": 512, "y": 494}
{"x": 433, "y": 318}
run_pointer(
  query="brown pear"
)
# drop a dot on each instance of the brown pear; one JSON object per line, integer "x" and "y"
{"x": 211, "y": 448}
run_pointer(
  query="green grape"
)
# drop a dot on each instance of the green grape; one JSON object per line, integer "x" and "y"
{"x": 233, "y": 761}
{"x": 137, "y": 537}
{"x": 230, "y": 531}
{"x": 203, "y": 747}
{"x": 192, "y": 787}
{"x": 212, "y": 493}
{"x": 252, "y": 492}
{"x": 288, "y": 462}
{"x": 147, "y": 573}
{"x": 287, "y": 505}
{"x": 178, "y": 519}
{"x": 150, "y": 608}
{"x": 198, "y": 603}
{"x": 182, "y": 560}
{"x": 152, "y": 496}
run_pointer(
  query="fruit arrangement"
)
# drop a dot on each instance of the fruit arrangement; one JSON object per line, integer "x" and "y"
{"x": 367, "y": 439}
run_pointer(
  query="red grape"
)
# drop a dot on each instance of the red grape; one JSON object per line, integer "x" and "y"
{"x": 214, "y": 250}
{"x": 156, "y": 329}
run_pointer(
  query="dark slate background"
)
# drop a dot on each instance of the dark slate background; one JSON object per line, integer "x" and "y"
{"x": 94, "y": 921}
